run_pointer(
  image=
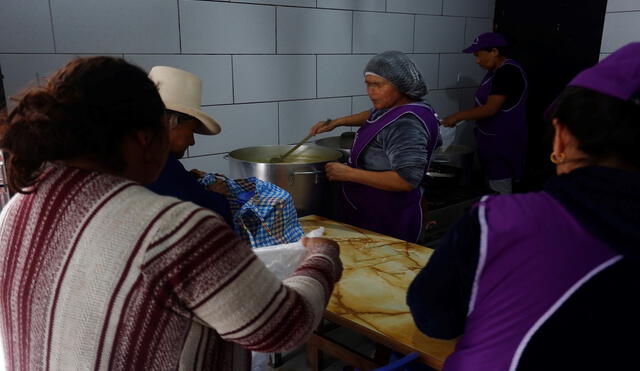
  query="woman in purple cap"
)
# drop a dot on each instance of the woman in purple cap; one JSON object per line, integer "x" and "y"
{"x": 501, "y": 129}
{"x": 547, "y": 280}
{"x": 391, "y": 152}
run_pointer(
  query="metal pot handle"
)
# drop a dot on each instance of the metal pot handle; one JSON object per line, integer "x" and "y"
{"x": 312, "y": 172}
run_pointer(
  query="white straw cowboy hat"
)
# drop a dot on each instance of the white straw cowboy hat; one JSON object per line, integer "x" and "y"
{"x": 181, "y": 91}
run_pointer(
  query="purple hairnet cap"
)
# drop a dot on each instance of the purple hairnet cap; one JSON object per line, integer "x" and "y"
{"x": 486, "y": 40}
{"x": 618, "y": 75}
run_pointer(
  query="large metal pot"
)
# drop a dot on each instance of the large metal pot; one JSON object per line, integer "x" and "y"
{"x": 341, "y": 143}
{"x": 302, "y": 175}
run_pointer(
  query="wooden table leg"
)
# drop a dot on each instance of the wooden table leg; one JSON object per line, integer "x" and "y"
{"x": 314, "y": 354}
{"x": 382, "y": 354}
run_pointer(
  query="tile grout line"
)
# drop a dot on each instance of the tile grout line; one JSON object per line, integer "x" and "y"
{"x": 53, "y": 34}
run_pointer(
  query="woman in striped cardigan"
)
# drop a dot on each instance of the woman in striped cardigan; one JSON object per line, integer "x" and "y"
{"x": 98, "y": 272}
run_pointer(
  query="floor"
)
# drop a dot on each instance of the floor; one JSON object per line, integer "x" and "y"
{"x": 296, "y": 360}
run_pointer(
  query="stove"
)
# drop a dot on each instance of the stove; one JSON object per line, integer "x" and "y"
{"x": 444, "y": 208}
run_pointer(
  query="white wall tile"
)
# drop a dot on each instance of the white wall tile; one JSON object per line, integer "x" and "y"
{"x": 475, "y": 27}
{"x": 415, "y": 6}
{"x": 619, "y": 30}
{"x": 340, "y": 75}
{"x": 305, "y": 3}
{"x": 622, "y": 5}
{"x": 297, "y": 117}
{"x": 22, "y": 70}
{"x": 603, "y": 56}
{"x": 436, "y": 34}
{"x": 259, "y": 78}
{"x": 25, "y": 27}
{"x": 359, "y": 104}
{"x": 208, "y": 164}
{"x": 116, "y": 26}
{"x": 472, "y": 8}
{"x": 459, "y": 71}
{"x": 221, "y": 28}
{"x": 374, "y": 5}
{"x": 213, "y": 70}
{"x": 467, "y": 99}
{"x": 313, "y": 31}
{"x": 428, "y": 66}
{"x": 243, "y": 125}
{"x": 377, "y": 32}
{"x": 445, "y": 102}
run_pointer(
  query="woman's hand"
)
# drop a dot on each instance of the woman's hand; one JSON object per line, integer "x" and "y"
{"x": 313, "y": 243}
{"x": 197, "y": 173}
{"x": 219, "y": 186}
{"x": 450, "y": 121}
{"x": 325, "y": 246}
{"x": 323, "y": 126}
{"x": 336, "y": 171}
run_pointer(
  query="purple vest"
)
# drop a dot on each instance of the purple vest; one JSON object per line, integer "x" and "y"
{"x": 395, "y": 214}
{"x": 502, "y": 138}
{"x": 525, "y": 272}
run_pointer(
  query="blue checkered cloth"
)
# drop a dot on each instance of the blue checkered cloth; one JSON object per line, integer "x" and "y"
{"x": 263, "y": 213}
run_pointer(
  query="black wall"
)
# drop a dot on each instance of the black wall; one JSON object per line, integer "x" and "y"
{"x": 553, "y": 40}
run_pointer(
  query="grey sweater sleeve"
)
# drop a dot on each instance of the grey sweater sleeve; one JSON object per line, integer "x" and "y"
{"x": 405, "y": 144}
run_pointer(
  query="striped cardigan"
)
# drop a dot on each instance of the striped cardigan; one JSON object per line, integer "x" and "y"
{"x": 97, "y": 272}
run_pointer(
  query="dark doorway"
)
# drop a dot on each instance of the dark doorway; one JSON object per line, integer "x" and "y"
{"x": 3, "y": 100}
{"x": 553, "y": 40}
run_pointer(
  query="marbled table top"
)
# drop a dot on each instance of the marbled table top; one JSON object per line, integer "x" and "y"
{"x": 371, "y": 296}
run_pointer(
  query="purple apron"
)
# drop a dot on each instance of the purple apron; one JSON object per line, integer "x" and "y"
{"x": 525, "y": 272}
{"x": 395, "y": 214}
{"x": 502, "y": 138}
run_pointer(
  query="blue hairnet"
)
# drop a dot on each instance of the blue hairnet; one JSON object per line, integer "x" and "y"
{"x": 396, "y": 67}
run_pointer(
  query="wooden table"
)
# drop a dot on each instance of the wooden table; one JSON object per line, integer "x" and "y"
{"x": 371, "y": 296}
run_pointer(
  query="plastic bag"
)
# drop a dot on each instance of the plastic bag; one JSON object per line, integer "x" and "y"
{"x": 282, "y": 260}
{"x": 448, "y": 134}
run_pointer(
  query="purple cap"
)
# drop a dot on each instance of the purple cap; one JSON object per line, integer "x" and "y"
{"x": 486, "y": 40}
{"x": 618, "y": 75}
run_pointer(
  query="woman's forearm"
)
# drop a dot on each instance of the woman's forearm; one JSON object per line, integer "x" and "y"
{"x": 357, "y": 119}
{"x": 384, "y": 180}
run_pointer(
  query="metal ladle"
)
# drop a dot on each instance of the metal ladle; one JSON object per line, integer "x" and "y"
{"x": 281, "y": 158}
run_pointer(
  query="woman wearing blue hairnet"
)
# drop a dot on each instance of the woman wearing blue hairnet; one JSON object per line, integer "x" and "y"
{"x": 391, "y": 151}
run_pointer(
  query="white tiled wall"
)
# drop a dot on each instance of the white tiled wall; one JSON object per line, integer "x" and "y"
{"x": 115, "y": 26}
{"x": 313, "y": 31}
{"x": 340, "y": 75}
{"x": 431, "y": 31}
{"x": 415, "y": 6}
{"x": 25, "y": 27}
{"x": 270, "y": 68}
{"x": 376, "y": 32}
{"x": 621, "y": 24}
{"x": 373, "y": 5}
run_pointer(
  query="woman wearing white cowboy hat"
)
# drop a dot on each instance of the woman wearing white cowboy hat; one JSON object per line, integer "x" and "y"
{"x": 181, "y": 92}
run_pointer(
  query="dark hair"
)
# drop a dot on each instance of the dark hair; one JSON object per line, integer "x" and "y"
{"x": 605, "y": 127}
{"x": 85, "y": 110}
